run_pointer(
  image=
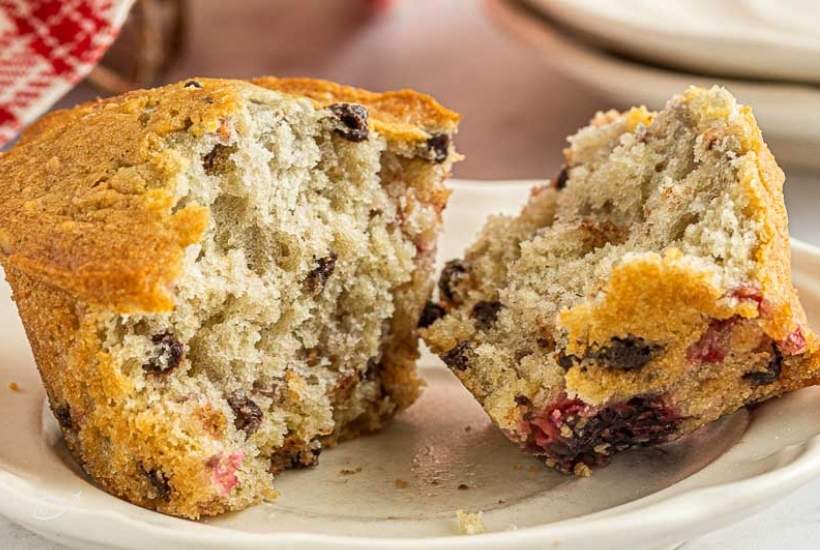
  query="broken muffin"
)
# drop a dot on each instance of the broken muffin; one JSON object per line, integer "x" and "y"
{"x": 643, "y": 293}
{"x": 218, "y": 278}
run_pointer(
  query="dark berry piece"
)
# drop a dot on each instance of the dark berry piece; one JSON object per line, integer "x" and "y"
{"x": 485, "y": 314}
{"x": 566, "y": 360}
{"x": 438, "y": 147}
{"x": 431, "y": 313}
{"x": 159, "y": 482}
{"x": 545, "y": 342}
{"x": 454, "y": 271}
{"x": 63, "y": 416}
{"x": 372, "y": 368}
{"x": 248, "y": 415}
{"x": 772, "y": 372}
{"x": 522, "y": 400}
{"x": 458, "y": 357}
{"x": 463, "y": 486}
{"x": 218, "y": 161}
{"x": 168, "y": 356}
{"x": 354, "y": 121}
{"x": 318, "y": 277}
{"x": 193, "y": 84}
{"x": 626, "y": 353}
{"x": 561, "y": 179}
{"x": 571, "y": 432}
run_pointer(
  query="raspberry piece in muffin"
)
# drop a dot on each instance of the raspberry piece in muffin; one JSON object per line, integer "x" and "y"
{"x": 644, "y": 294}
{"x": 219, "y": 279}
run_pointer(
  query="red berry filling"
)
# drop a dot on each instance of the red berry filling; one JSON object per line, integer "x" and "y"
{"x": 570, "y": 432}
{"x": 713, "y": 345}
{"x": 754, "y": 294}
{"x": 794, "y": 343}
{"x": 224, "y": 470}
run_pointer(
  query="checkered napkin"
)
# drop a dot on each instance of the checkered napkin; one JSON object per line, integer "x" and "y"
{"x": 46, "y": 46}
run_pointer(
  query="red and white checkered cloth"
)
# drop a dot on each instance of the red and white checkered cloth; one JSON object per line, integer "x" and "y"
{"x": 46, "y": 46}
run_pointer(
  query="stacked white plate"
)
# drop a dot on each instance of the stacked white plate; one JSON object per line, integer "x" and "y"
{"x": 643, "y": 51}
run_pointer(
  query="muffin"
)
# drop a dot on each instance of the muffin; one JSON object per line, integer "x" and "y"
{"x": 642, "y": 294}
{"x": 219, "y": 279}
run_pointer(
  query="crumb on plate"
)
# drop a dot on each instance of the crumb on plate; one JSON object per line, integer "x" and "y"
{"x": 469, "y": 523}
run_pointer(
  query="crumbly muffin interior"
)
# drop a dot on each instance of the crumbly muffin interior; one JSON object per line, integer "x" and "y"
{"x": 638, "y": 188}
{"x": 275, "y": 344}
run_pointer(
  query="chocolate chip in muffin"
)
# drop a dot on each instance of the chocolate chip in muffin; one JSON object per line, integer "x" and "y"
{"x": 522, "y": 400}
{"x": 438, "y": 147}
{"x": 485, "y": 313}
{"x": 247, "y": 414}
{"x": 565, "y": 360}
{"x": 772, "y": 372}
{"x": 318, "y": 277}
{"x": 454, "y": 271}
{"x": 193, "y": 84}
{"x": 431, "y": 313}
{"x": 628, "y": 353}
{"x": 354, "y": 121}
{"x": 168, "y": 355}
{"x": 458, "y": 357}
{"x": 372, "y": 368}
{"x": 158, "y": 482}
{"x": 218, "y": 161}
{"x": 561, "y": 179}
{"x": 63, "y": 416}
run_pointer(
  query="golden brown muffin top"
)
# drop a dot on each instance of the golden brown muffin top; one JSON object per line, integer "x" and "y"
{"x": 86, "y": 195}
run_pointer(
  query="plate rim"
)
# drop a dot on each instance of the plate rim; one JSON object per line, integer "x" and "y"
{"x": 580, "y": 60}
{"x": 698, "y": 510}
{"x": 602, "y": 23}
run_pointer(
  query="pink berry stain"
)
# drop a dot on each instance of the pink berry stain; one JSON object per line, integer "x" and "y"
{"x": 754, "y": 294}
{"x": 224, "y": 470}
{"x": 713, "y": 344}
{"x": 794, "y": 343}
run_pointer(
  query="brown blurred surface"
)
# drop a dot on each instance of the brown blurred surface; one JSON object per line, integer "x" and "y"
{"x": 517, "y": 110}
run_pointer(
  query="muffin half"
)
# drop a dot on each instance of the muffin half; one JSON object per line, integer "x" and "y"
{"x": 219, "y": 278}
{"x": 643, "y": 293}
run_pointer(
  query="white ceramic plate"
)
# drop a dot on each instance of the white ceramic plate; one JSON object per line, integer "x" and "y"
{"x": 788, "y": 113}
{"x": 645, "y": 499}
{"x": 761, "y": 39}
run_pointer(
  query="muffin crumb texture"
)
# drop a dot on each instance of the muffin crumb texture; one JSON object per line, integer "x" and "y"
{"x": 642, "y": 294}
